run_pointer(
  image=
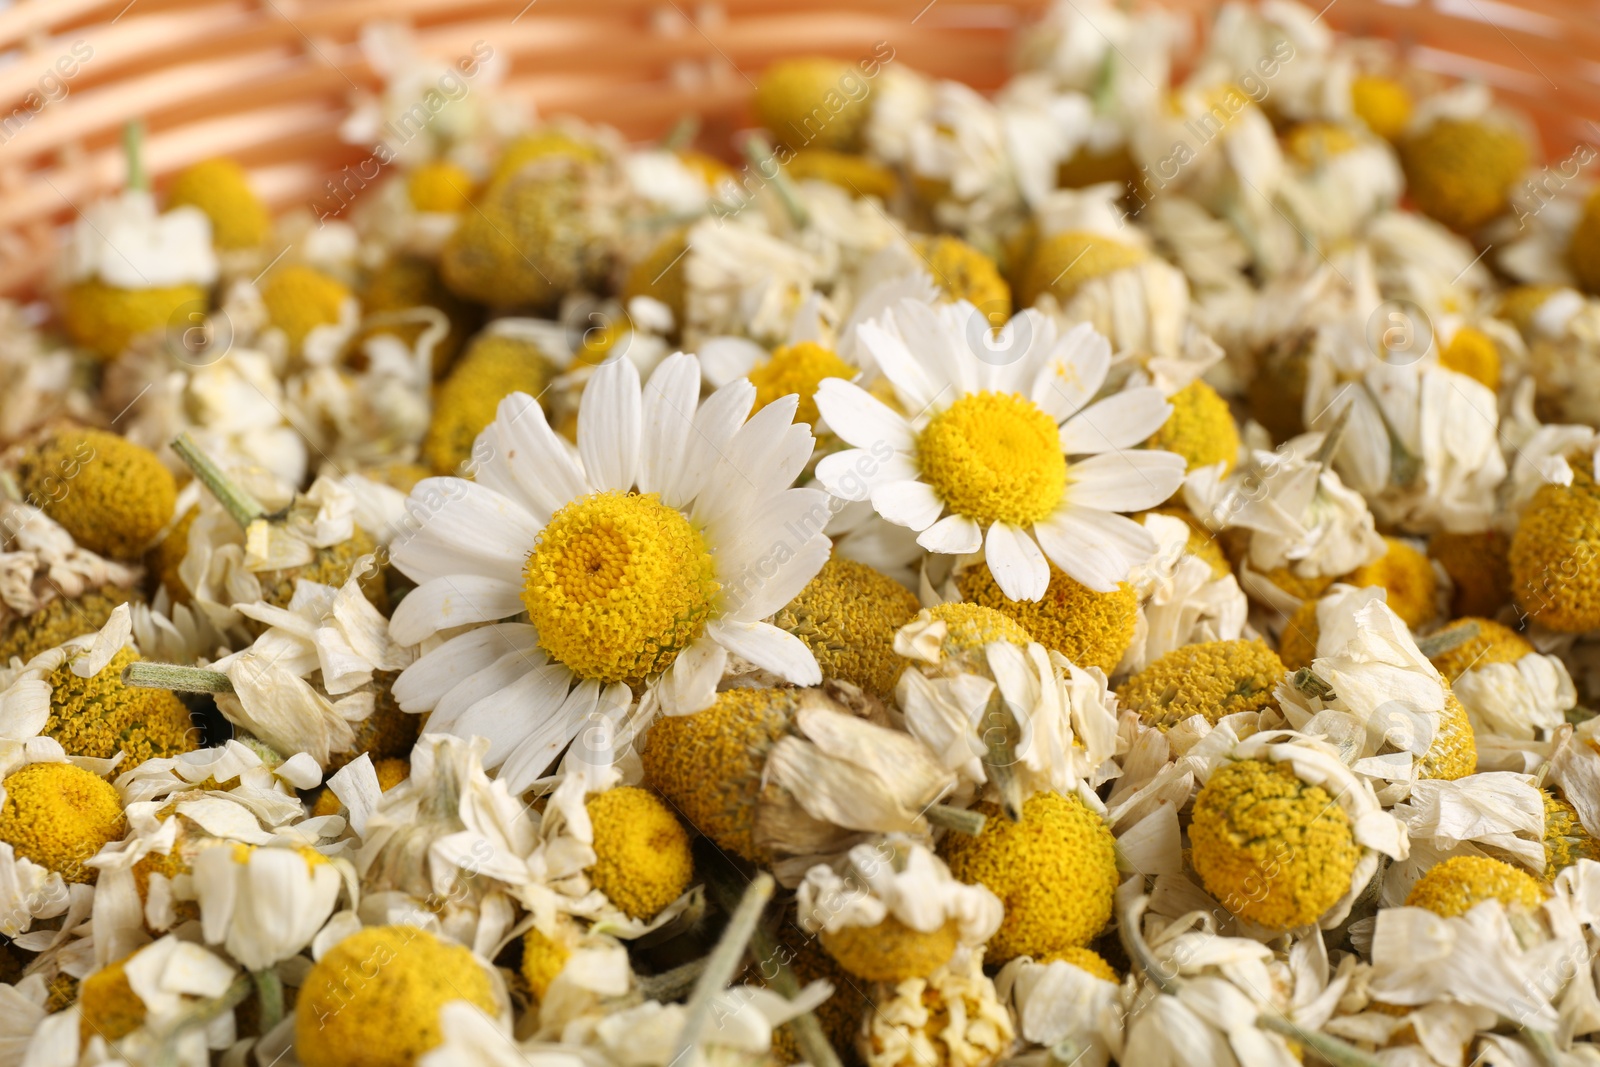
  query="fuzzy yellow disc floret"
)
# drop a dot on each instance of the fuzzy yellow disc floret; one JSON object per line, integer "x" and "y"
{"x": 1583, "y": 249}
{"x": 853, "y": 173}
{"x": 59, "y": 815}
{"x": 1382, "y": 103}
{"x": 493, "y": 367}
{"x": 1065, "y": 261}
{"x": 1210, "y": 679}
{"x": 1473, "y": 353}
{"x": 891, "y": 951}
{"x": 543, "y": 958}
{"x": 708, "y": 765}
{"x": 1460, "y": 171}
{"x": 1479, "y": 568}
{"x": 111, "y": 495}
{"x": 812, "y": 102}
{"x": 964, "y": 273}
{"x": 221, "y": 189}
{"x": 105, "y": 319}
{"x": 1201, "y": 428}
{"x": 994, "y": 457}
{"x": 798, "y": 369}
{"x": 373, "y": 999}
{"x": 61, "y": 620}
{"x": 1494, "y": 643}
{"x": 1458, "y": 884}
{"x": 618, "y": 585}
{"x": 1565, "y": 839}
{"x": 847, "y": 616}
{"x": 1085, "y": 959}
{"x": 1297, "y": 645}
{"x": 1407, "y": 575}
{"x": 1055, "y": 872}
{"x": 98, "y": 716}
{"x": 108, "y": 1005}
{"x": 439, "y": 186}
{"x": 1453, "y": 752}
{"x": 330, "y": 565}
{"x": 1553, "y": 556}
{"x": 300, "y": 298}
{"x": 660, "y": 274}
{"x": 1269, "y": 847}
{"x": 642, "y": 860}
{"x": 1091, "y": 629}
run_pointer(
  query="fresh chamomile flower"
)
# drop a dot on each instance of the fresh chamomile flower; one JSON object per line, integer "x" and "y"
{"x": 890, "y": 910}
{"x": 375, "y": 997}
{"x": 644, "y": 557}
{"x": 1090, "y": 628}
{"x": 1552, "y": 541}
{"x": 847, "y": 616}
{"x": 1284, "y": 834}
{"x": 1479, "y": 568}
{"x": 996, "y": 458}
{"x": 1213, "y": 679}
{"x": 951, "y": 1017}
{"x": 221, "y": 189}
{"x": 1566, "y": 841}
{"x": 770, "y": 772}
{"x": 1457, "y": 885}
{"x": 264, "y": 905}
{"x": 111, "y": 495}
{"x": 1055, "y": 871}
{"x": 57, "y": 815}
{"x": 494, "y": 366}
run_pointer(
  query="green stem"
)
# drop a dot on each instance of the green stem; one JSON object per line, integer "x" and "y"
{"x": 760, "y": 155}
{"x": 960, "y": 820}
{"x": 175, "y": 677}
{"x": 244, "y": 508}
{"x": 1446, "y": 640}
{"x": 670, "y": 985}
{"x": 815, "y": 1048}
{"x": 723, "y": 963}
{"x": 269, "y": 993}
{"x": 1337, "y": 1052}
{"x": 133, "y": 152}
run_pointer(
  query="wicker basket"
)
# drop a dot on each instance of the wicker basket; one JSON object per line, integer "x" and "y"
{"x": 268, "y": 82}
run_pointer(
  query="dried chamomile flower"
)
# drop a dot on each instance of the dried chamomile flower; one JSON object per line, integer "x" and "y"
{"x": 1460, "y": 171}
{"x": 1055, "y": 871}
{"x": 221, "y": 188}
{"x": 1550, "y": 549}
{"x": 1212, "y": 680}
{"x": 1200, "y": 429}
{"x": 58, "y": 815}
{"x": 847, "y": 616}
{"x": 890, "y": 911}
{"x": 1479, "y": 568}
{"x": 952, "y": 1017}
{"x": 111, "y": 495}
{"x": 1090, "y": 628}
{"x": 812, "y": 102}
{"x": 642, "y": 861}
{"x": 1407, "y": 577}
{"x": 1457, "y": 885}
{"x": 492, "y": 368}
{"x": 374, "y": 997}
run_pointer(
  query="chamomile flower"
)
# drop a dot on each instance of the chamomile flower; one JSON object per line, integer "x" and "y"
{"x": 990, "y": 445}
{"x": 953, "y": 1016}
{"x": 265, "y": 905}
{"x": 644, "y": 557}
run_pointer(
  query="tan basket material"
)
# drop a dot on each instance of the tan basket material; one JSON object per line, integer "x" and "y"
{"x": 268, "y": 81}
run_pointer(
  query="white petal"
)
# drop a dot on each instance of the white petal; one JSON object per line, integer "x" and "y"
{"x": 768, "y": 647}
{"x": 454, "y": 600}
{"x": 520, "y": 456}
{"x": 953, "y": 535}
{"x": 533, "y": 756}
{"x": 1073, "y": 373}
{"x": 453, "y": 526}
{"x": 528, "y": 707}
{"x": 715, "y": 423}
{"x": 861, "y": 418}
{"x": 766, "y": 565}
{"x": 1122, "y": 421}
{"x": 691, "y": 683}
{"x": 608, "y": 426}
{"x": 727, "y": 359}
{"x": 669, "y": 405}
{"x": 421, "y": 685}
{"x": 501, "y": 674}
{"x": 1124, "y": 481}
{"x": 910, "y": 379}
{"x": 908, "y": 503}
{"x": 1094, "y": 547}
{"x": 1018, "y": 566}
{"x": 851, "y": 474}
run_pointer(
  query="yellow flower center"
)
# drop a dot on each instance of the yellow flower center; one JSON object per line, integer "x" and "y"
{"x": 799, "y": 369}
{"x": 994, "y": 457}
{"x": 618, "y": 585}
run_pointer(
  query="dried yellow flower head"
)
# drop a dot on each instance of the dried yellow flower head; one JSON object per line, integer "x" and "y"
{"x": 1091, "y": 629}
{"x": 58, "y": 816}
{"x": 1460, "y": 171}
{"x": 111, "y": 495}
{"x": 300, "y": 298}
{"x": 812, "y": 102}
{"x": 1382, "y": 103}
{"x": 1085, "y": 959}
{"x": 1553, "y": 554}
{"x": 1457, "y": 885}
{"x": 440, "y": 186}
{"x": 1201, "y": 428}
{"x": 493, "y": 367}
{"x": 847, "y": 616}
{"x": 963, "y": 273}
{"x": 542, "y": 959}
{"x": 1479, "y": 567}
{"x": 1210, "y": 679}
{"x": 856, "y": 174}
{"x": 221, "y": 189}
{"x": 1297, "y": 645}
{"x": 891, "y": 951}
{"x": 642, "y": 861}
{"x": 1494, "y": 643}
{"x": 1055, "y": 872}
{"x": 98, "y": 716}
{"x": 108, "y": 1005}
{"x": 1407, "y": 575}
{"x": 105, "y": 319}
{"x": 1270, "y": 847}
{"x": 61, "y": 620}
{"x": 1565, "y": 839}
{"x": 1063, "y": 262}
{"x": 1473, "y": 353}
{"x": 660, "y": 274}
